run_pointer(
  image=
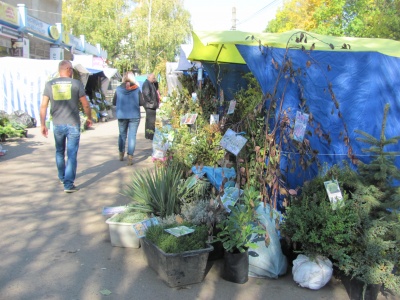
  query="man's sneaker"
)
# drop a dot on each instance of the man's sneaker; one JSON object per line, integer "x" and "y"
{"x": 72, "y": 190}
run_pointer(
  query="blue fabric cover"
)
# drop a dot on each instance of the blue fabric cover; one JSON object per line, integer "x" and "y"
{"x": 215, "y": 175}
{"x": 363, "y": 82}
{"x": 229, "y": 77}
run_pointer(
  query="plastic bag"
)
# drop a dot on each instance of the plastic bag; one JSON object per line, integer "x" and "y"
{"x": 267, "y": 260}
{"x": 23, "y": 118}
{"x": 312, "y": 274}
{"x": 162, "y": 140}
{"x": 215, "y": 175}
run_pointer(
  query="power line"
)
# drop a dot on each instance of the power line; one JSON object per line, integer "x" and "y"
{"x": 258, "y": 12}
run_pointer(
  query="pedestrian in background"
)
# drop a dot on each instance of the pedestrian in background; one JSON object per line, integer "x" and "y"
{"x": 151, "y": 103}
{"x": 126, "y": 100}
{"x": 64, "y": 94}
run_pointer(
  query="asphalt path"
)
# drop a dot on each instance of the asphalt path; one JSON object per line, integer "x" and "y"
{"x": 55, "y": 245}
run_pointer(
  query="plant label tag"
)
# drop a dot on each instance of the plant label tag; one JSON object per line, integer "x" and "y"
{"x": 214, "y": 119}
{"x": 179, "y": 231}
{"x": 300, "y": 126}
{"x": 190, "y": 119}
{"x": 232, "y": 105}
{"x": 233, "y": 142}
{"x": 334, "y": 193}
{"x": 141, "y": 227}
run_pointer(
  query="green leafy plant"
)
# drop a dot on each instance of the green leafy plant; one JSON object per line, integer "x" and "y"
{"x": 200, "y": 146}
{"x": 172, "y": 244}
{"x": 237, "y": 229}
{"x": 11, "y": 128}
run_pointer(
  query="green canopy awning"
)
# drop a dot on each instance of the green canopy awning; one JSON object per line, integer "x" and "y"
{"x": 219, "y": 46}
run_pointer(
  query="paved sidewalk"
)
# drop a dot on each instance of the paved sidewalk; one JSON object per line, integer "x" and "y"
{"x": 56, "y": 245}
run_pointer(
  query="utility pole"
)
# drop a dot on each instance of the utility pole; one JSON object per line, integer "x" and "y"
{"x": 148, "y": 39}
{"x": 233, "y": 18}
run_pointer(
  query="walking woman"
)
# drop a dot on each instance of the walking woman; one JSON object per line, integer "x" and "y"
{"x": 126, "y": 99}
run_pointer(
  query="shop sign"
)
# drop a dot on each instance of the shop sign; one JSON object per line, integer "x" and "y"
{"x": 65, "y": 38}
{"x": 9, "y": 32}
{"x": 98, "y": 63}
{"x": 8, "y": 13}
{"x": 75, "y": 42}
{"x": 41, "y": 28}
{"x": 56, "y": 52}
{"x": 53, "y": 32}
{"x": 90, "y": 49}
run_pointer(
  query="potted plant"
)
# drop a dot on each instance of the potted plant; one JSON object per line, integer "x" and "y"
{"x": 209, "y": 213}
{"x": 361, "y": 236}
{"x": 121, "y": 230}
{"x": 158, "y": 191}
{"x": 178, "y": 255}
{"x": 361, "y": 246}
{"x": 237, "y": 232}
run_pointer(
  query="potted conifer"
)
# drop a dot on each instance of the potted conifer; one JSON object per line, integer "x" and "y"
{"x": 362, "y": 235}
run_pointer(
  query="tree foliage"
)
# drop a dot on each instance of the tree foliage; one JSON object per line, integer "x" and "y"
{"x": 138, "y": 33}
{"x": 359, "y": 18}
{"x": 102, "y": 22}
{"x": 157, "y": 28}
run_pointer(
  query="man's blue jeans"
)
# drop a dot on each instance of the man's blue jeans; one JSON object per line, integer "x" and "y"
{"x": 128, "y": 129}
{"x": 67, "y": 138}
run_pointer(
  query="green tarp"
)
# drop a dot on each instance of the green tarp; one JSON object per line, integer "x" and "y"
{"x": 219, "y": 46}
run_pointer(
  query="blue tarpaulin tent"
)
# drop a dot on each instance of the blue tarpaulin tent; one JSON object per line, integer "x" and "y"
{"x": 363, "y": 75}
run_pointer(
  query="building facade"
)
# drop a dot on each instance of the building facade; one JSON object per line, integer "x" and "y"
{"x": 33, "y": 29}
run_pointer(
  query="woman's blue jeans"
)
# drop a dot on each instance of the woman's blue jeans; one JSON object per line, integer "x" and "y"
{"x": 128, "y": 129}
{"x": 67, "y": 138}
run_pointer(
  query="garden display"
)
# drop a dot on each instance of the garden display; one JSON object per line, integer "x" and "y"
{"x": 250, "y": 170}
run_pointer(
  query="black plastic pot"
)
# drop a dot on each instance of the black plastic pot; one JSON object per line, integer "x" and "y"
{"x": 236, "y": 267}
{"x": 355, "y": 287}
{"x": 218, "y": 251}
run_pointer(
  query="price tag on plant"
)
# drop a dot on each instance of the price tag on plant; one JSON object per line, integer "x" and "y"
{"x": 233, "y": 142}
{"x": 214, "y": 119}
{"x": 232, "y": 105}
{"x": 300, "y": 126}
{"x": 190, "y": 119}
{"x": 334, "y": 193}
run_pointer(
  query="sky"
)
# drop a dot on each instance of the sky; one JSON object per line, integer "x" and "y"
{"x": 251, "y": 15}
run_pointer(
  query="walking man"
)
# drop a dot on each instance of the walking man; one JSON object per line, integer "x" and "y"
{"x": 64, "y": 94}
{"x": 151, "y": 103}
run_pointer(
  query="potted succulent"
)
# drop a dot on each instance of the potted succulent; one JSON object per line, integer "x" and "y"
{"x": 177, "y": 252}
{"x": 236, "y": 233}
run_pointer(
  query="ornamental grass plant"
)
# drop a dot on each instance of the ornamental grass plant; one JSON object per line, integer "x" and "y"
{"x": 159, "y": 191}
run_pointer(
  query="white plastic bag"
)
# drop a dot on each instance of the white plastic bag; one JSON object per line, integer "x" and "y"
{"x": 312, "y": 274}
{"x": 267, "y": 261}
